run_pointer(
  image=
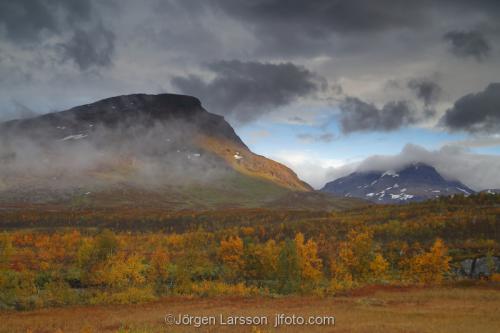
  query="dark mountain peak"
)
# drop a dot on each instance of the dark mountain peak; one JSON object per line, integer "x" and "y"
{"x": 113, "y": 110}
{"x": 418, "y": 166}
{"x": 164, "y": 146}
{"x": 412, "y": 182}
{"x": 160, "y": 105}
{"x": 123, "y": 111}
{"x": 421, "y": 172}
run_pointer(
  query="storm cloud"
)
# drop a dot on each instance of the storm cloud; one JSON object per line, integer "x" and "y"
{"x": 306, "y": 27}
{"x": 70, "y": 28}
{"x": 93, "y": 47}
{"x": 477, "y": 171}
{"x": 320, "y": 16}
{"x": 468, "y": 44}
{"x": 357, "y": 115}
{"x": 426, "y": 90}
{"x": 58, "y": 53}
{"x": 246, "y": 90}
{"x": 27, "y": 20}
{"x": 475, "y": 113}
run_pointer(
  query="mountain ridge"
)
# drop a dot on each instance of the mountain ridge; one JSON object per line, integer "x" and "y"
{"x": 116, "y": 110}
{"x": 413, "y": 182}
{"x": 166, "y": 145}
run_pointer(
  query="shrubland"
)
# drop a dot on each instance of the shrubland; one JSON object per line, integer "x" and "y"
{"x": 55, "y": 259}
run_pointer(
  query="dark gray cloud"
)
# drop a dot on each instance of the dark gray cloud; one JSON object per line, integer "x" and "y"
{"x": 87, "y": 48}
{"x": 475, "y": 170}
{"x": 476, "y": 113}
{"x": 27, "y": 20}
{"x": 247, "y": 90}
{"x": 323, "y": 16}
{"x": 427, "y": 90}
{"x": 468, "y": 44}
{"x": 357, "y": 115}
{"x": 32, "y": 23}
{"x": 125, "y": 46}
{"x": 307, "y": 27}
{"x": 478, "y": 171}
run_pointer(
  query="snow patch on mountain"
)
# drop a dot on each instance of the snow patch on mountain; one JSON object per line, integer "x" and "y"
{"x": 390, "y": 173}
{"x": 415, "y": 182}
{"x": 74, "y": 137}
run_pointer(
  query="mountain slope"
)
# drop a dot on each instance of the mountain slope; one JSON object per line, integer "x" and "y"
{"x": 416, "y": 182}
{"x": 136, "y": 149}
{"x": 491, "y": 191}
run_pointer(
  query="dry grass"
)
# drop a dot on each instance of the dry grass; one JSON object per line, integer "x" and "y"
{"x": 373, "y": 310}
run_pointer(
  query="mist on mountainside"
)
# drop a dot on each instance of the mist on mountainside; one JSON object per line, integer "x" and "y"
{"x": 145, "y": 149}
{"x": 477, "y": 171}
{"x": 165, "y": 145}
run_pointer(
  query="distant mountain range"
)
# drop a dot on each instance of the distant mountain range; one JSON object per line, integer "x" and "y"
{"x": 167, "y": 151}
{"x": 415, "y": 182}
{"x": 491, "y": 191}
{"x": 141, "y": 150}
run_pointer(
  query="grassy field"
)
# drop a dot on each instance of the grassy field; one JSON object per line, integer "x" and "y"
{"x": 376, "y": 309}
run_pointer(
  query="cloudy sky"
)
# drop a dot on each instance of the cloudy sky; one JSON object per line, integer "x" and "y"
{"x": 321, "y": 86}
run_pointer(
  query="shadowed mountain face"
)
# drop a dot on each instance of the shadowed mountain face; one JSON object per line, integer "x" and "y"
{"x": 416, "y": 182}
{"x": 136, "y": 149}
{"x": 131, "y": 112}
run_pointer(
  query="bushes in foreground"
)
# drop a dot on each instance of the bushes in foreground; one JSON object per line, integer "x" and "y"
{"x": 40, "y": 269}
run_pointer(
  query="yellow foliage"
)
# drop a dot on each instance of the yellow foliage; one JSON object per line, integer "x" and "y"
{"x": 6, "y": 249}
{"x": 269, "y": 254}
{"x": 341, "y": 285}
{"x": 354, "y": 257}
{"x": 120, "y": 271}
{"x": 430, "y": 267}
{"x": 247, "y": 231}
{"x": 176, "y": 241}
{"x": 231, "y": 254}
{"x": 262, "y": 260}
{"x": 309, "y": 263}
{"x": 378, "y": 267}
{"x": 159, "y": 260}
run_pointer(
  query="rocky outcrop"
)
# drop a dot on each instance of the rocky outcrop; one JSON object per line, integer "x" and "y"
{"x": 479, "y": 267}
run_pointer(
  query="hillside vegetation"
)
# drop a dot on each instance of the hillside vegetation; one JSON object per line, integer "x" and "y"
{"x": 54, "y": 258}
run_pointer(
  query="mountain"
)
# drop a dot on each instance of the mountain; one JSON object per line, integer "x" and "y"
{"x": 138, "y": 150}
{"x": 491, "y": 191}
{"x": 416, "y": 182}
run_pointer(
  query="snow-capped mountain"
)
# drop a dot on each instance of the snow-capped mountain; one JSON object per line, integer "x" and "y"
{"x": 416, "y": 182}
